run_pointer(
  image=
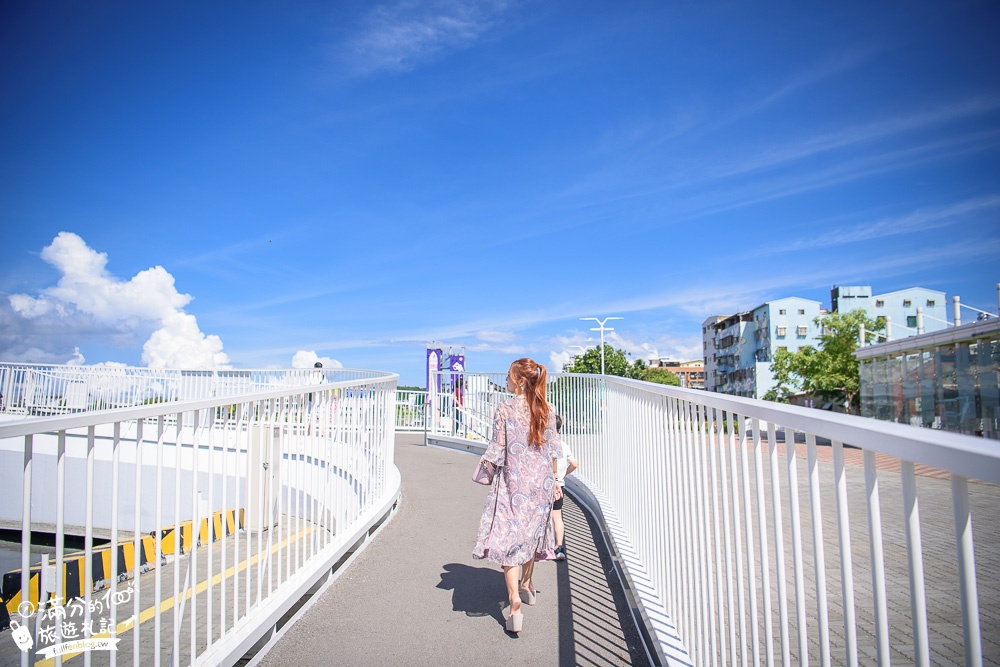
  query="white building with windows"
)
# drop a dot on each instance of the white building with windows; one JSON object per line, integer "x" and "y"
{"x": 899, "y": 307}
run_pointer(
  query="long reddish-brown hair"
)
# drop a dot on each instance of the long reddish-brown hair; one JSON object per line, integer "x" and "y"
{"x": 532, "y": 376}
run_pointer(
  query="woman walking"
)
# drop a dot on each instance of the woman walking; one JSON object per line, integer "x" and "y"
{"x": 515, "y": 530}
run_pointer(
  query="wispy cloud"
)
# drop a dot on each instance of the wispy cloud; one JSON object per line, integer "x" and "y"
{"x": 796, "y": 182}
{"x": 402, "y": 36}
{"x": 809, "y": 76}
{"x": 495, "y": 336}
{"x": 855, "y": 135}
{"x": 919, "y": 220}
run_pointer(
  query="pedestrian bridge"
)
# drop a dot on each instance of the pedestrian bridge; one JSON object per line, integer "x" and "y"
{"x": 196, "y": 515}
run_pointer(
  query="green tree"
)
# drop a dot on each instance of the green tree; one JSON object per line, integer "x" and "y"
{"x": 615, "y": 363}
{"x": 830, "y": 372}
{"x": 661, "y": 376}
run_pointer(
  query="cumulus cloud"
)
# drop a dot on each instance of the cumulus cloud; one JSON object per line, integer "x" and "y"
{"x": 179, "y": 343}
{"x": 557, "y": 360}
{"x": 89, "y": 302}
{"x": 308, "y": 359}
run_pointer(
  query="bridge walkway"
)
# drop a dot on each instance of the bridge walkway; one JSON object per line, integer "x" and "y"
{"x": 415, "y": 596}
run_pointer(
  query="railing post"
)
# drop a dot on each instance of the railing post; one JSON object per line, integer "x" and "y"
{"x": 915, "y": 560}
{"x": 972, "y": 637}
{"x": 956, "y": 311}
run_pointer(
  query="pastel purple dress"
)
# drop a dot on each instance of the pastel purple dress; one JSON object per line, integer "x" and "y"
{"x": 516, "y": 523}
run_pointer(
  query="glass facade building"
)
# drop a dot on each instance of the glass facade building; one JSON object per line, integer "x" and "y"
{"x": 945, "y": 380}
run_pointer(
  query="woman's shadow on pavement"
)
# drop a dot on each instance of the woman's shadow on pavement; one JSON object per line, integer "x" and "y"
{"x": 475, "y": 590}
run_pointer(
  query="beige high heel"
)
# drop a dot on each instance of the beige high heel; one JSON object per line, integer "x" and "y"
{"x": 515, "y": 622}
{"x": 527, "y": 596}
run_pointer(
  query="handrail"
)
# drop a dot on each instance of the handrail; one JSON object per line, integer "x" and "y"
{"x": 721, "y": 510}
{"x": 260, "y": 494}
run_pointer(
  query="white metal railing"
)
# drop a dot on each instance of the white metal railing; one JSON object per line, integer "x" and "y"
{"x": 46, "y": 389}
{"x": 411, "y": 410}
{"x": 755, "y": 532}
{"x": 221, "y": 513}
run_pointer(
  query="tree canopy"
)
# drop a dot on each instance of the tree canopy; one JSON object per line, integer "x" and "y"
{"x": 831, "y": 372}
{"x": 616, "y": 362}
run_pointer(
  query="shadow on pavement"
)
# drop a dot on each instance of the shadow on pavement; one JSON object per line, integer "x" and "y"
{"x": 476, "y": 591}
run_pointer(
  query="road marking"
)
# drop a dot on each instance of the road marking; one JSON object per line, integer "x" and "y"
{"x": 151, "y": 612}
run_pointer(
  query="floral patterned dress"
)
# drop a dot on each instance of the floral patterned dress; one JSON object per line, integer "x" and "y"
{"x": 516, "y": 523}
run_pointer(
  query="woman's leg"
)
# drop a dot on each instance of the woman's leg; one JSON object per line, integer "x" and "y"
{"x": 511, "y": 575}
{"x": 529, "y": 569}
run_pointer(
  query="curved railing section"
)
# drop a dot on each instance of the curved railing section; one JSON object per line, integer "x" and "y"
{"x": 185, "y": 530}
{"x": 32, "y": 390}
{"x": 756, "y": 533}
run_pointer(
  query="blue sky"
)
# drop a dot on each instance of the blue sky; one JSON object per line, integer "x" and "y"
{"x": 241, "y": 183}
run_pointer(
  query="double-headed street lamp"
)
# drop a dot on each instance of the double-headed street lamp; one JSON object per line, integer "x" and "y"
{"x": 600, "y": 327}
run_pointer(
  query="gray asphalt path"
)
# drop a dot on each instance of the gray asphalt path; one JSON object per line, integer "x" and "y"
{"x": 415, "y": 595}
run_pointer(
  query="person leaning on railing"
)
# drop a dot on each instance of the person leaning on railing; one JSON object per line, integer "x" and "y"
{"x": 565, "y": 464}
{"x": 525, "y": 446}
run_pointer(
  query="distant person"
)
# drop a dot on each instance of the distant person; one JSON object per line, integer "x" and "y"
{"x": 515, "y": 529}
{"x": 565, "y": 464}
{"x": 314, "y": 379}
{"x": 459, "y": 423}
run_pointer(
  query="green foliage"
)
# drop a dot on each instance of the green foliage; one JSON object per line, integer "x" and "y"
{"x": 661, "y": 376}
{"x": 407, "y": 387}
{"x": 832, "y": 371}
{"x": 615, "y": 363}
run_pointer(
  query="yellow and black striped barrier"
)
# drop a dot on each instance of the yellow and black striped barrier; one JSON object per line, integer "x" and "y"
{"x": 128, "y": 562}
{"x": 223, "y": 523}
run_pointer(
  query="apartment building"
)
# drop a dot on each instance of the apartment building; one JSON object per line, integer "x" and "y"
{"x": 690, "y": 373}
{"x": 743, "y": 344}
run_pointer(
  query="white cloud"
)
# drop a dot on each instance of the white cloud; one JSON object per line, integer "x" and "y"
{"x": 402, "y": 36}
{"x": 557, "y": 360}
{"x": 308, "y": 359}
{"x": 179, "y": 343}
{"x": 87, "y": 286}
{"x": 89, "y": 301}
{"x": 495, "y": 336}
{"x": 499, "y": 349}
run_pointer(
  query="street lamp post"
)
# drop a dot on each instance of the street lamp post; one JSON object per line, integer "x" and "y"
{"x": 600, "y": 327}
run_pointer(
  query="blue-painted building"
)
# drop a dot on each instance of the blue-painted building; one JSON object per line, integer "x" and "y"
{"x": 744, "y": 344}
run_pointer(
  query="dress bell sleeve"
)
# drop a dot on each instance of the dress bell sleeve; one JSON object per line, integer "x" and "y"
{"x": 496, "y": 449}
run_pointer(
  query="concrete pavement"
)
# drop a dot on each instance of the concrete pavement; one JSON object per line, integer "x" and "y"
{"x": 415, "y": 596}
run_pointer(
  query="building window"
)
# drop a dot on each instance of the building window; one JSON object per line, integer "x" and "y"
{"x": 781, "y": 312}
{"x": 930, "y": 303}
{"x": 803, "y": 331}
{"x": 782, "y": 331}
{"x": 879, "y": 303}
{"x": 782, "y": 348}
{"x": 907, "y": 303}
{"x": 802, "y": 311}
{"x": 911, "y": 321}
